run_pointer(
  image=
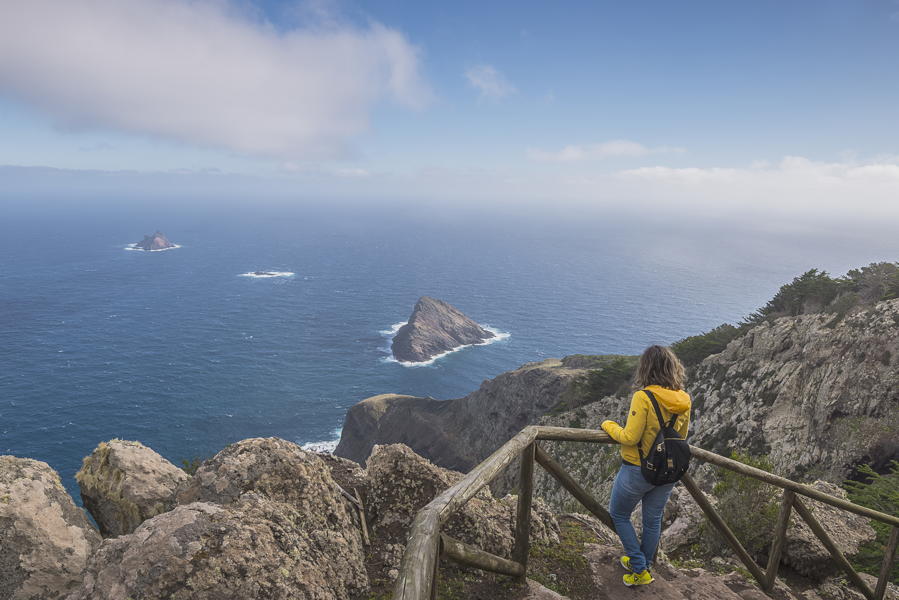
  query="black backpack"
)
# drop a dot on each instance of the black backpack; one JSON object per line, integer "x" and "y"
{"x": 669, "y": 456}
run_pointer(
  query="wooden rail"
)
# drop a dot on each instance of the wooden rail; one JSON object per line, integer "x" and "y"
{"x": 418, "y": 571}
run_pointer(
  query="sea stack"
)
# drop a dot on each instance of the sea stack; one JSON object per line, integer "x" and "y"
{"x": 435, "y": 327}
{"x": 157, "y": 241}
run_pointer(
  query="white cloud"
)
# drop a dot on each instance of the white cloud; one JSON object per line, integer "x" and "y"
{"x": 614, "y": 148}
{"x": 489, "y": 82}
{"x": 201, "y": 73}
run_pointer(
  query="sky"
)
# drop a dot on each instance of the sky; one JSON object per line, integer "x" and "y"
{"x": 763, "y": 109}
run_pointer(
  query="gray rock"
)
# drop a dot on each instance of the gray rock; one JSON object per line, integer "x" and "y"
{"x": 45, "y": 540}
{"x": 400, "y": 483}
{"x": 458, "y": 434}
{"x": 816, "y": 395}
{"x": 124, "y": 483}
{"x": 805, "y": 554}
{"x": 254, "y": 548}
{"x": 435, "y": 327}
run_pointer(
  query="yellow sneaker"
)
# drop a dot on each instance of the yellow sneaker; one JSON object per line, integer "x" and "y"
{"x": 626, "y": 563}
{"x": 641, "y": 578}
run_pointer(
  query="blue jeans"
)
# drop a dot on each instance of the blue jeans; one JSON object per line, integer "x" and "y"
{"x": 630, "y": 488}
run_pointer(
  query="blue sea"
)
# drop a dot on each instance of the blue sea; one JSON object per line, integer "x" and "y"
{"x": 178, "y": 350}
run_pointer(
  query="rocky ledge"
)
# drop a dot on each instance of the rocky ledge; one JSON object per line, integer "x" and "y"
{"x": 434, "y": 328}
{"x": 156, "y": 241}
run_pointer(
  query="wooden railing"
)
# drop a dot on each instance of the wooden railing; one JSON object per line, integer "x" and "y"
{"x": 426, "y": 545}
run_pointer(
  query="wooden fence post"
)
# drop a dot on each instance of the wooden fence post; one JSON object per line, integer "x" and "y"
{"x": 780, "y": 534}
{"x": 525, "y": 499}
{"x": 888, "y": 557}
{"x": 835, "y": 553}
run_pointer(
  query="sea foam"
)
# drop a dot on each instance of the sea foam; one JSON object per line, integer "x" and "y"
{"x": 324, "y": 446}
{"x": 267, "y": 274}
{"x": 135, "y": 248}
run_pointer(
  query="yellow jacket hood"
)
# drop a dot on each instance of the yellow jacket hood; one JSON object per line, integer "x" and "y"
{"x": 674, "y": 401}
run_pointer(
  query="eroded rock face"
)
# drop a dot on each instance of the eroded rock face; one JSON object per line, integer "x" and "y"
{"x": 124, "y": 483}
{"x": 435, "y": 327}
{"x": 400, "y": 483}
{"x": 45, "y": 540}
{"x": 817, "y": 394}
{"x": 805, "y": 554}
{"x": 458, "y": 434}
{"x": 254, "y": 548}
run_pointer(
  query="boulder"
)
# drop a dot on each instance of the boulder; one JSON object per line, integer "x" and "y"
{"x": 124, "y": 483}
{"x": 806, "y": 554}
{"x": 45, "y": 540}
{"x": 434, "y": 328}
{"x": 253, "y": 548}
{"x": 400, "y": 483}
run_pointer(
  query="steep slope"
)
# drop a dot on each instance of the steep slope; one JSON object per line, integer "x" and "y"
{"x": 457, "y": 434}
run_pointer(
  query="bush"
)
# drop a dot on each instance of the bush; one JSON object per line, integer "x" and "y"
{"x": 880, "y": 492}
{"x": 748, "y": 506}
{"x": 691, "y": 350}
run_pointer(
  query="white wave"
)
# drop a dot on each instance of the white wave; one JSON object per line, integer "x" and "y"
{"x": 267, "y": 274}
{"x": 324, "y": 446}
{"x": 390, "y": 333}
{"x": 135, "y": 248}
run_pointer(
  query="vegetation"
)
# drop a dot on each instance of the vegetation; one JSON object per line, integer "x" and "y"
{"x": 735, "y": 493}
{"x": 608, "y": 375}
{"x": 812, "y": 292}
{"x": 190, "y": 466}
{"x": 880, "y": 492}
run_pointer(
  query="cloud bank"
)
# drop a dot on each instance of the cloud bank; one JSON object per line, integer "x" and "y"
{"x": 202, "y": 73}
{"x": 490, "y": 83}
{"x": 611, "y": 149}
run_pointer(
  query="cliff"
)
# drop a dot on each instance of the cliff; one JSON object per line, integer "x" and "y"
{"x": 818, "y": 393}
{"x": 458, "y": 434}
{"x": 434, "y": 328}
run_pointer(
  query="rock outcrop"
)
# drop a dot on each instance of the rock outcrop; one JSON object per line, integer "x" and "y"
{"x": 261, "y": 519}
{"x": 156, "y": 241}
{"x": 816, "y": 393}
{"x": 435, "y": 327}
{"x": 124, "y": 483}
{"x": 805, "y": 554}
{"x": 458, "y": 434}
{"x": 400, "y": 483}
{"x": 45, "y": 540}
{"x": 255, "y": 548}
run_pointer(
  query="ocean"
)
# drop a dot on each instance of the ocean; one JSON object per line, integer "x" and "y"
{"x": 185, "y": 353}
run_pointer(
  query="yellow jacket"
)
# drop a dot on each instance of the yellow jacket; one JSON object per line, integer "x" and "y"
{"x": 642, "y": 424}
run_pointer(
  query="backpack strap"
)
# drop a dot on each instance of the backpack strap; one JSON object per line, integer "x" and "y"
{"x": 655, "y": 405}
{"x": 658, "y": 412}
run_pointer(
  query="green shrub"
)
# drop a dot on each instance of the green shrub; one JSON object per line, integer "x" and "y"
{"x": 691, "y": 350}
{"x": 748, "y": 506}
{"x": 880, "y": 492}
{"x": 190, "y": 466}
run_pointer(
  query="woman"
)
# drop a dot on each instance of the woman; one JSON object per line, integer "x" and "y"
{"x": 662, "y": 374}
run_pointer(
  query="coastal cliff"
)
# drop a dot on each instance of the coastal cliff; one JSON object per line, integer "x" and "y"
{"x": 435, "y": 327}
{"x": 817, "y": 393}
{"x": 458, "y": 434}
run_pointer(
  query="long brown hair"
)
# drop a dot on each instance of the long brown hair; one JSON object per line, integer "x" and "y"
{"x": 660, "y": 366}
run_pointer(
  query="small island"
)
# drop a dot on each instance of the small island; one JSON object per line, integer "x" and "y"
{"x": 435, "y": 328}
{"x": 154, "y": 242}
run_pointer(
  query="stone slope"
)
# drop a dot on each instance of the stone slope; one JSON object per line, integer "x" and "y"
{"x": 818, "y": 394}
{"x": 435, "y": 327}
